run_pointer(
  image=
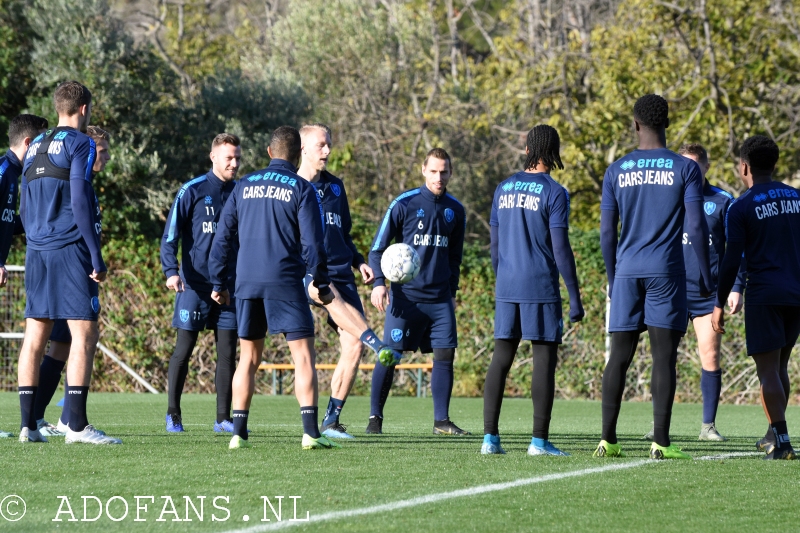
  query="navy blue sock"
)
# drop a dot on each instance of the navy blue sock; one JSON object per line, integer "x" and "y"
{"x": 49, "y": 377}
{"x": 370, "y": 339}
{"x": 382, "y": 378}
{"x": 77, "y": 407}
{"x": 441, "y": 388}
{"x": 310, "y": 421}
{"x": 710, "y": 385}
{"x": 65, "y": 405}
{"x": 334, "y": 410}
{"x": 240, "y": 422}
{"x": 27, "y": 399}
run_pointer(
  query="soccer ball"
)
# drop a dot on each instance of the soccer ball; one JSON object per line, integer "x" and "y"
{"x": 400, "y": 263}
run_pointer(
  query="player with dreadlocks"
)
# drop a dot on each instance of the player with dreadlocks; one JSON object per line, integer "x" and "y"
{"x": 529, "y": 241}
{"x": 651, "y": 189}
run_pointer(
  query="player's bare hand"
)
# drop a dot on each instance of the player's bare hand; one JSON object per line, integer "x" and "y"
{"x": 222, "y": 298}
{"x": 453, "y": 299}
{"x": 99, "y": 277}
{"x": 366, "y": 273}
{"x": 718, "y": 320}
{"x": 3, "y": 276}
{"x": 734, "y": 303}
{"x": 380, "y": 298}
{"x": 175, "y": 283}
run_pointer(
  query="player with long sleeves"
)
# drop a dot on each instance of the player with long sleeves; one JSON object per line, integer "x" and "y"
{"x": 421, "y": 313}
{"x": 651, "y": 190}
{"x": 530, "y": 247}
{"x": 64, "y": 261}
{"x": 764, "y": 223}
{"x": 21, "y": 132}
{"x": 275, "y": 216}
{"x": 192, "y": 223}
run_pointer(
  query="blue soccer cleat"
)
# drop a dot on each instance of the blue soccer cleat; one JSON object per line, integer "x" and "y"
{"x": 174, "y": 423}
{"x": 544, "y": 447}
{"x": 226, "y": 426}
{"x": 336, "y": 430}
{"x": 491, "y": 445}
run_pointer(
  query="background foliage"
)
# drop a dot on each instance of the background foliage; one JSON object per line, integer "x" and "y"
{"x": 395, "y": 78}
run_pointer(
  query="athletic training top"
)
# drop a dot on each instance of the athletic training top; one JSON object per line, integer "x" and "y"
{"x": 716, "y": 203}
{"x": 277, "y": 219}
{"x": 764, "y": 222}
{"x": 434, "y": 226}
{"x": 10, "y": 169}
{"x": 525, "y": 207}
{"x": 648, "y": 188}
{"x": 58, "y": 205}
{"x": 193, "y": 222}
{"x": 342, "y": 253}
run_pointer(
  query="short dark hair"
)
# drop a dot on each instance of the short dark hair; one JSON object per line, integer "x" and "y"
{"x": 285, "y": 143}
{"x": 438, "y": 153}
{"x": 652, "y": 111}
{"x": 695, "y": 149}
{"x": 543, "y": 144}
{"x": 23, "y": 126}
{"x": 97, "y": 133}
{"x": 70, "y": 96}
{"x": 761, "y": 153}
{"x": 225, "y": 138}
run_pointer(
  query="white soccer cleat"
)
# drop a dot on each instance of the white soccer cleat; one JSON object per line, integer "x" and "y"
{"x": 31, "y": 435}
{"x": 62, "y": 427}
{"x": 48, "y": 430}
{"x": 90, "y": 436}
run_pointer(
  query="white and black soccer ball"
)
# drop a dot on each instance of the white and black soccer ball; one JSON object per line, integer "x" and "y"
{"x": 400, "y": 263}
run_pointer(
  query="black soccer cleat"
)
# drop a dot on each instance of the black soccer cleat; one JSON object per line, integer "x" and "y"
{"x": 446, "y": 427}
{"x": 785, "y": 453}
{"x": 375, "y": 426}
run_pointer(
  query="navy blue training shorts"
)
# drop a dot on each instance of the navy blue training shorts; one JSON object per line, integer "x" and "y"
{"x": 528, "y": 321}
{"x": 58, "y": 286}
{"x": 640, "y": 302}
{"x": 411, "y": 325}
{"x": 699, "y": 306}
{"x": 770, "y": 327}
{"x": 196, "y": 311}
{"x": 346, "y": 291}
{"x": 61, "y": 332}
{"x": 257, "y": 316}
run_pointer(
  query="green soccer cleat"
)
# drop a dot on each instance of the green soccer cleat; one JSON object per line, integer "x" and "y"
{"x": 785, "y": 453}
{"x": 606, "y": 449}
{"x": 389, "y": 357}
{"x": 667, "y": 452}
{"x": 322, "y": 443}
{"x": 238, "y": 442}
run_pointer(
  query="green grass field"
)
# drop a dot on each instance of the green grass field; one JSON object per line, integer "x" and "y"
{"x": 407, "y": 461}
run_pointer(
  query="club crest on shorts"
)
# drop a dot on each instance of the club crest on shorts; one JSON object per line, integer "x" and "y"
{"x": 184, "y": 314}
{"x": 95, "y": 304}
{"x": 397, "y": 335}
{"x": 710, "y": 207}
{"x": 336, "y": 189}
{"x": 449, "y": 215}
{"x": 209, "y": 200}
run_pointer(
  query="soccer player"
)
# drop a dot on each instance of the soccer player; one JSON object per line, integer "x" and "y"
{"x": 529, "y": 241}
{"x": 22, "y": 130}
{"x": 345, "y": 312}
{"x": 276, "y": 217}
{"x": 764, "y": 223}
{"x": 192, "y": 223}
{"x": 716, "y": 203}
{"x": 421, "y": 313}
{"x": 64, "y": 261}
{"x": 652, "y": 190}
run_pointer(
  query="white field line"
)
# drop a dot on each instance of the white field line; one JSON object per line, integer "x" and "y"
{"x": 473, "y": 491}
